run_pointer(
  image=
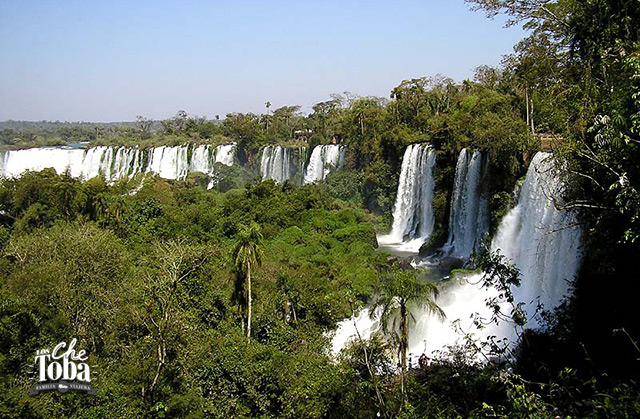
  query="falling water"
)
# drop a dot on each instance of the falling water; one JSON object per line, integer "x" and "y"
{"x": 543, "y": 241}
{"x": 413, "y": 217}
{"x": 201, "y": 159}
{"x": 117, "y": 162}
{"x": 224, "y": 154}
{"x": 277, "y": 163}
{"x": 169, "y": 162}
{"x": 540, "y": 239}
{"x": 324, "y": 159}
{"x": 468, "y": 218}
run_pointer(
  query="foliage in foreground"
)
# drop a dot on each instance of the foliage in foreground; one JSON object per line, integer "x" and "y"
{"x": 146, "y": 284}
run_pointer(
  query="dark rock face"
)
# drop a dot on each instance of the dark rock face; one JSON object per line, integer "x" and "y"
{"x": 405, "y": 264}
{"x": 427, "y": 250}
{"x": 401, "y": 262}
{"x": 448, "y": 264}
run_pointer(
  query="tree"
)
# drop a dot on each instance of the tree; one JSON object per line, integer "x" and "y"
{"x": 180, "y": 120}
{"x": 248, "y": 253}
{"x": 582, "y": 61}
{"x": 267, "y": 105}
{"x": 247, "y": 131}
{"x": 144, "y": 124}
{"x": 536, "y": 13}
{"x": 161, "y": 291}
{"x": 397, "y": 292}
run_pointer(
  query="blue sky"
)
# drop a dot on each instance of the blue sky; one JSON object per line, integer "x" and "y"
{"x": 113, "y": 60}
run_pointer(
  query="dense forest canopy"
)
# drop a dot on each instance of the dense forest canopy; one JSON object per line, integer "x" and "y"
{"x": 147, "y": 281}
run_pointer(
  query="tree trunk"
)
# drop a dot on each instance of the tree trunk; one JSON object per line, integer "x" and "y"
{"x": 162, "y": 353}
{"x": 404, "y": 342}
{"x": 533, "y": 130}
{"x": 526, "y": 99}
{"x": 249, "y": 300}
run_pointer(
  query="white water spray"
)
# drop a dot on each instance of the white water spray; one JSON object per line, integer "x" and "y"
{"x": 277, "y": 163}
{"x": 468, "y": 218}
{"x": 413, "y": 217}
{"x": 541, "y": 240}
{"x": 324, "y": 159}
{"x": 117, "y": 162}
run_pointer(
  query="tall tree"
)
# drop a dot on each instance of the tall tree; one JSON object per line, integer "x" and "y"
{"x": 267, "y": 105}
{"x": 583, "y": 59}
{"x": 400, "y": 292}
{"x": 144, "y": 124}
{"x": 248, "y": 254}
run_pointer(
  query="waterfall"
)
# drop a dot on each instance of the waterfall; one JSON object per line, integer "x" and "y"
{"x": 91, "y": 162}
{"x": 225, "y": 154}
{"x": 468, "y": 217}
{"x": 413, "y": 217}
{"x": 276, "y": 163}
{"x": 170, "y": 162}
{"x": 60, "y": 159}
{"x": 324, "y": 158}
{"x": 346, "y": 329}
{"x": 126, "y": 162}
{"x": 543, "y": 241}
{"x": 201, "y": 159}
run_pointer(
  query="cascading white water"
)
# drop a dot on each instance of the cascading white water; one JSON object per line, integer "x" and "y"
{"x": 468, "y": 218}
{"x": 91, "y": 162}
{"x": 346, "y": 331}
{"x": 540, "y": 239}
{"x": 324, "y": 158}
{"x": 276, "y": 163}
{"x": 169, "y": 162}
{"x": 543, "y": 241}
{"x": 413, "y": 217}
{"x": 17, "y": 161}
{"x": 117, "y": 162}
{"x": 201, "y": 159}
{"x": 224, "y": 154}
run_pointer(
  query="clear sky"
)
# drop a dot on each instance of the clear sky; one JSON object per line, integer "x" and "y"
{"x": 90, "y": 60}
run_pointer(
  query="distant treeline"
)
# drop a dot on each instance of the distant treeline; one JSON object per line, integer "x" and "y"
{"x": 22, "y": 134}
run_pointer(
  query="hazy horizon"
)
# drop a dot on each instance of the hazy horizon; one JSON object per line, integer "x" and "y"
{"x": 70, "y": 61}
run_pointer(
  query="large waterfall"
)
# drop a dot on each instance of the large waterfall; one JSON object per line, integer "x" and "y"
{"x": 117, "y": 162}
{"x": 169, "y": 162}
{"x": 324, "y": 159}
{"x": 541, "y": 240}
{"x": 468, "y": 218}
{"x": 277, "y": 163}
{"x": 413, "y": 217}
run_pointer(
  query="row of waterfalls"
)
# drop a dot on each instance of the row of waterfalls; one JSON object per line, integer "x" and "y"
{"x": 540, "y": 239}
{"x": 282, "y": 163}
{"x": 413, "y": 218}
{"x": 114, "y": 163}
{"x": 170, "y": 162}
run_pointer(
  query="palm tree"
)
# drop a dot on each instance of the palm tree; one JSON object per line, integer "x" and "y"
{"x": 248, "y": 253}
{"x": 397, "y": 291}
{"x": 267, "y": 105}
